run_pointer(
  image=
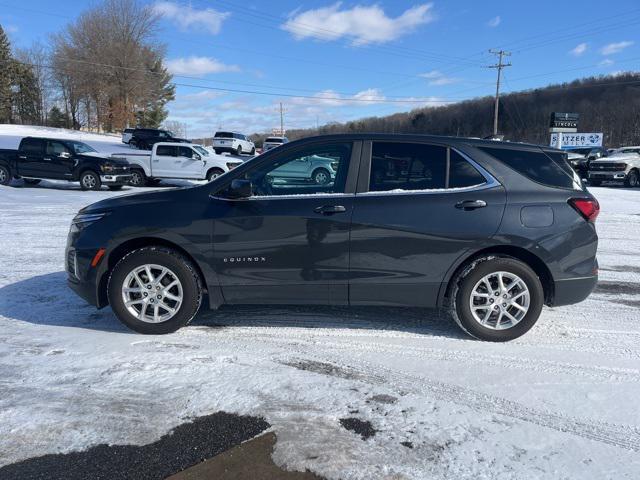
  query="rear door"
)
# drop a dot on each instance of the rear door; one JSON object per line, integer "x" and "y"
{"x": 419, "y": 207}
{"x": 165, "y": 162}
{"x": 31, "y": 161}
{"x": 289, "y": 242}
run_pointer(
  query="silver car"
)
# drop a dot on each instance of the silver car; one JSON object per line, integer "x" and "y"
{"x": 316, "y": 169}
{"x": 273, "y": 142}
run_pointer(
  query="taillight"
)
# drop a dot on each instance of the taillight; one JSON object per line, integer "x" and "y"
{"x": 589, "y": 208}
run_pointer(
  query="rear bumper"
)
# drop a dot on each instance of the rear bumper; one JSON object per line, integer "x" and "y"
{"x": 574, "y": 290}
{"x": 225, "y": 149}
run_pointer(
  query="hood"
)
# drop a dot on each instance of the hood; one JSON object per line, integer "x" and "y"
{"x": 105, "y": 158}
{"x": 575, "y": 156}
{"x": 619, "y": 157}
{"x": 165, "y": 195}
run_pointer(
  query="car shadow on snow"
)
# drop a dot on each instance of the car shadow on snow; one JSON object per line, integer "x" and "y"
{"x": 47, "y": 300}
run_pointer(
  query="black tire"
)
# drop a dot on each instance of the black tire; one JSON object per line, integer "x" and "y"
{"x": 115, "y": 188}
{"x": 138, "y": 178}
{"x": 472, "y": 274}
{"x": 165, "y": 257}
{"x": 5, "y": 175}
{"x": 214, "y": 173}
{"x": 218, "y": 152}
{"x": 90, "y": 180}
{"x": 632, "y": 180}
{"x": 321, "y": 176}
{"x": 32, "y": 181}
{"x": 595, "y": 183}
{"x": 253, "y": 151}
{"x": 133, "y": 143}
{"x": 142, "y": 145}
{"x": 239, "y": 150}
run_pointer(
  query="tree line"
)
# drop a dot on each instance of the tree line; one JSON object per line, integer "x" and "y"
{"x": 607, "y": 104}
{"x": 102, "y": 72}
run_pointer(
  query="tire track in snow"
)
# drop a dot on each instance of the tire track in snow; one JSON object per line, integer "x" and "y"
{"x": 621, "y": 436}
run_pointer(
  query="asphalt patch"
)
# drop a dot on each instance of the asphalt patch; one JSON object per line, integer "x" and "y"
{"x": 360, "y": 427}
{"x": 187, "y": 445}
{"x": 622, "y": 268}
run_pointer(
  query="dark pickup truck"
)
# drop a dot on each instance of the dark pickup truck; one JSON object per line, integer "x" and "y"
{"x": 51, "y": 158}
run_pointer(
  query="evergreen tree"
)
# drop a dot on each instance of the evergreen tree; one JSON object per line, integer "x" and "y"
{"x": 26, "y": 94}
{"x": 56, "y": 118}
{"x": 6, "y": 67}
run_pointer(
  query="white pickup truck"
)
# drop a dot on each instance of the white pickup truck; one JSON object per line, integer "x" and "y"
{"x": 622, "y": 165}
{"x": 176, "y": 160}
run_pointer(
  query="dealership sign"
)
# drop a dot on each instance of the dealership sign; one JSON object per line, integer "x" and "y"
{"x": 564, "y": 120}
{"x": 577, "y": 140}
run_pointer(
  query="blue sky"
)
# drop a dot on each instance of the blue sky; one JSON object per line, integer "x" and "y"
{"x": 335, "y": 61}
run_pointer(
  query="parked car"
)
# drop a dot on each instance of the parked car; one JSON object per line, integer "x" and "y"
{"x": 487, "y": 230}
{"x": 52, "y": 158}
{"x": 176, "y": 160}
{"x": 127, "y": 135}
{"x": 145, "y": 138}
{"x": 623, "y": 165}
{"x": 579, "y": 158}
{"x": 273, "y": 142}
{"x": 233, "y": 142}
{"x": 314, "y": 168}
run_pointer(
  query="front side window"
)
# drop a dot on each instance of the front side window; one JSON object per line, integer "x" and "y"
{"x": 185, "y": 152}
{"x": 201, "y": 151}
{"x": 320, "y": 169}
{"x": 56, "y": 148}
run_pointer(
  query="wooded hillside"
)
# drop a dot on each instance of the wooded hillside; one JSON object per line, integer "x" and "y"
{"x": 606, "y": 104}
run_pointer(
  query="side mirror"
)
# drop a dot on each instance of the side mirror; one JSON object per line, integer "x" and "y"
{"x": 240, "y": 189}
{"x": 64, "y": 155}
{"x": 196, "y": 156}
{"x": 592, "y": 157}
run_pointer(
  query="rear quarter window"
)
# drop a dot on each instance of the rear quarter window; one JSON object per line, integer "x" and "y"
{"x": 547, "y": 168}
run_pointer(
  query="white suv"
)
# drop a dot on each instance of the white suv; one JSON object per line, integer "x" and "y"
{"x": 273, "y": 142}
{"x": 233, "y": 142}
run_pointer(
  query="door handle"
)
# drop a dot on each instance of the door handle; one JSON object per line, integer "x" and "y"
{"x": 330, "y": 209}
{"x": 23, "y": 157}
{"x": 46, "y": 158}
{"x": 471, "y": 204}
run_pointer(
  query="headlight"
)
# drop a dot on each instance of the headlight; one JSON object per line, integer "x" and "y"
{"x": 107, "y": 167}
{"x": 83, "y": 220}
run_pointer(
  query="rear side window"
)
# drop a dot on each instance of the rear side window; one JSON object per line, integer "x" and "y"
{"x": 166, "y": 151}
{"x": 31, "y": 145}
{"x": 412, "y": 166}
{"x": 547, "y": 168}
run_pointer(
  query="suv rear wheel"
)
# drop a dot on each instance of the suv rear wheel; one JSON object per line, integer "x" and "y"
{"x": 154, "y": 290}
{"x": 497, "y": 298}
{"x": 239, "y": 150}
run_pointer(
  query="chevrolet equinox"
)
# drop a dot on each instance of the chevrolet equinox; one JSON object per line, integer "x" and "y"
{"x": 491, "y": 231}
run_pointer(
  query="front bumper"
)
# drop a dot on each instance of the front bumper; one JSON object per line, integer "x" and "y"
{"x": 613, "y": 176}
{"x": 115, "y": 179}
{"x": 81, "y": 278}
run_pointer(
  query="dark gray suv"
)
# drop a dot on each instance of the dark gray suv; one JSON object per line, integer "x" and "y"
{"x": 491, "y": 231}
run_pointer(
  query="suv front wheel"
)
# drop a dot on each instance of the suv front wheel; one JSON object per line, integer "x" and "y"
{"x": 497, "y": 298}
{"x": 154, "y": 290}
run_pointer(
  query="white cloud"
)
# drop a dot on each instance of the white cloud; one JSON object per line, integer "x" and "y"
{"x": 330, "y": 98}
{"x": 437, "y": 78}
{"x": 363, "y": 24}
{"x": 198, "y": 66}
{"x": 186, "y": 16}
{"x": 617, "y": 47}
{"x": 578, "y": 50}
{"x": 606, "y": 62}
{"x": 494, "y": 22}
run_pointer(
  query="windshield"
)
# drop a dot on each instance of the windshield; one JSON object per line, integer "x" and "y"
{"x": 201, "y": 150}
{"x": 80, "y": 147}
{"x": 223, "y": 135}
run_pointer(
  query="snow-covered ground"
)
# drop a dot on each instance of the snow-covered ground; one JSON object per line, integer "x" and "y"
{"x": 561, "y": 402}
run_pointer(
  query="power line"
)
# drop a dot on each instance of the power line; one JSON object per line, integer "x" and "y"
{"x": 499, "y": 66}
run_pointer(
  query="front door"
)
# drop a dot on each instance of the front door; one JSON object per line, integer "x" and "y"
{"x": 289, "y": 242}
{"x": 190, "y": 167}
{"x": 58, "y": 157}
{"x": 419, "y": 208}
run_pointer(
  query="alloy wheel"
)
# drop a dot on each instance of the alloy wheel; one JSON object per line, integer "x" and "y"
{"x": 152, "y": 293}
{"x": 89, "y": 182}
{"x": 500, "y": 300}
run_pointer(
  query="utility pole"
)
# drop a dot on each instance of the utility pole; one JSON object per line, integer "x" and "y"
{"x": 499, "y": 66}
{"x": 281, "y": 120}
